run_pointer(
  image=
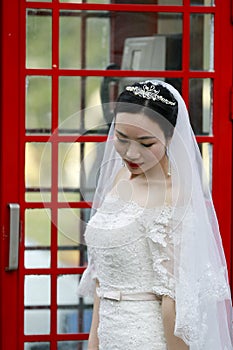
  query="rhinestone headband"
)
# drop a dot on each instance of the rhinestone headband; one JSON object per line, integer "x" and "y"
{"x": 150, "y": 93}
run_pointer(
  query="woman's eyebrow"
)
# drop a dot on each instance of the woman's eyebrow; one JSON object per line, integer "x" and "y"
{"x": 139, "y": 138}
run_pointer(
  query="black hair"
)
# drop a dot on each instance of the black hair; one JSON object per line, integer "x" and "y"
{"x": 165, "y": 114}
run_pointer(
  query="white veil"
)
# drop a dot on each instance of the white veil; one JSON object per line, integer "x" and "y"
{"x": 203, "y": 301}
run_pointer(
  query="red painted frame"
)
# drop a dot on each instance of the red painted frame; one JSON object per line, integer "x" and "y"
{"x": 10, "y": 165}
{"x": 13, "y": 140}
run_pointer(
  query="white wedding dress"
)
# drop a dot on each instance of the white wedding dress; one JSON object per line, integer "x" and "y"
{"x": 130, "y": 250}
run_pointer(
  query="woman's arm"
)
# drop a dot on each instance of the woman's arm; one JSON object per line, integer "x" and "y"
{"x": 169, "y": 315}
{"x": 93, "y": 342}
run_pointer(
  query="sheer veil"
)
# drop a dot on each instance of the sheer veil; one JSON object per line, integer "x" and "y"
{"x": 203, "y": 300}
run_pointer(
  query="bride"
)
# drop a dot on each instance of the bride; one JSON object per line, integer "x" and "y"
{"x": 156, "y": 264}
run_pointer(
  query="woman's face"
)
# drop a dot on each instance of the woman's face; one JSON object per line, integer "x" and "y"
{"x": 140, "y": 142}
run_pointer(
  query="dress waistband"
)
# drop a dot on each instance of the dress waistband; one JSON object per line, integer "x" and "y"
{"x": 117, "y": 295}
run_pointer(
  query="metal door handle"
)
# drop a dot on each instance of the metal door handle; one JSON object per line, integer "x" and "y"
{"x": 14, "y": 237}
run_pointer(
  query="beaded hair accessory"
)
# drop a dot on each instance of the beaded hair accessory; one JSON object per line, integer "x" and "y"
{"x": 150, "y": 93}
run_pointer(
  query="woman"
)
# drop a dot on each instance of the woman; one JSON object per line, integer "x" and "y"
{"x": 156, "y": 261}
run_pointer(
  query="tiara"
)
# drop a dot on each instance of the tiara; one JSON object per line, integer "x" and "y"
{"x": 150, "y": 93}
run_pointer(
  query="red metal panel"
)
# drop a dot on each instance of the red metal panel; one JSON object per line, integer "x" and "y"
{"x": 13, "y": 140}
{"x": 10, "y": 159}
{"x": 222, "y": 157}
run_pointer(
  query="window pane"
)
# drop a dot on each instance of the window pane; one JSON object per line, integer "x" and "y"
{"x": 36, "y": 322}
{"x": 37, "y": 228}
{"x": 37, "y": 290}
{"x": 38, "y": 38}
{"x": 72, "y": 345}
{"x": 70, "y": 117}
{"x": 91, "y": 1}
{"x": 37, "y": 238}
{"x": 71, "y": 227}
{"x": 202, "y": 2}
{"x": 69, "y": 320}
{"x": 98, "y": 41}
{"x": 36, "y": 346}
{"x": 201, "y": 41}
{"x": 38, "y": 104}
{"x": 150, "y": 43}
{"x": 200, "y": 104}
{"x": 207, "y": 155}
{"x": 69, "y": 166}
{"x": 67, "y": 290}
{"x": 38, "y": 170}
{"x": 70, "y": 36}
{"x": 35, "y": 259}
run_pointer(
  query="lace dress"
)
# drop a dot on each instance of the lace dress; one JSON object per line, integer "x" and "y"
{"x": 130, "y": 251}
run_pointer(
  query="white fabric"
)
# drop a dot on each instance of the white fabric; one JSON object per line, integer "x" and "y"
{"x": 195, "y": 273}
{"x": 131, "y": 253}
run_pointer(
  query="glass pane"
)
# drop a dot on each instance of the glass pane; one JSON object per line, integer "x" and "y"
{"x": 38, "y": 170}
{"x": 35, "y": 259}
{"x": 38, "y": 104}
{"x": 91, "y": 1}
{"x": 37, "y": 290}
{"x": 67, "y": 290}
{"x": 70, "y": 233}
{"x": 169, "y": 2}
{"x": 207, "y": 155}
{"x": 70, "y": 36}
{"x": 200, "y": 105}
{"x": 38, "y": 38}
{"x": 78, "y": 168}
{"x": 69, "y": 166}
{"x": 37, "y": 227}
{"x": 37, "y": 346}
{"x": 36, "y": 322}
{"x": 37, "y": 238}
{"x": 96, "y": 121}
{"x": 69, "y": 320}
{"x": 70, "y": 117}
{"x": 98, "y": 42}
{"x": 201, "y": 41}
{"x": 72, "y": 345}
{"x": 151, "y": 43}
{"x": 202, "y": 2}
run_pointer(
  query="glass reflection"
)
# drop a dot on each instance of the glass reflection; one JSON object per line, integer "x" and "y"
{"x": 72, "y": 345}
{"x": 98, "y": 40}
{"x": 207, "y": 155}
{"x": 36, "y": 322}
{"x": 37, "y": 227}
{"x": 200, "y": 104}
{"x": 147, "y": 41}
{"x": 202, "y": 2}
{"x": 201, "y": 41}
{"x": 67, "y": 290}
{"x": 38, "y": 104}
{"x": 37, "y": 290}
{"x": 70, "y": 36}
{"x": 35, "y": 259}
{"x": 69, "y": 320}
{"x": 38, "y": 38}
{"x": 38, "y": 169}
{"x": 70, "y": 117}
{"x": 37, "y": 346}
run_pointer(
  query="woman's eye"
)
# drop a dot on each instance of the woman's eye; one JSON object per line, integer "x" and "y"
{"x": 147, "y": 145}
{"x": 122, "y": 140}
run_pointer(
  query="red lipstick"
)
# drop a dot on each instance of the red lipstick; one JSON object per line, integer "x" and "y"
{"x": 133, "y": 165}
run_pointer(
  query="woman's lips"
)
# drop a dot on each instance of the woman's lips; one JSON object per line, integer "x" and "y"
{"x": 133, "y": 165}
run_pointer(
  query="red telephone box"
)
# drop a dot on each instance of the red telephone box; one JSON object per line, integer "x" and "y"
{"x": 61, "y": 59}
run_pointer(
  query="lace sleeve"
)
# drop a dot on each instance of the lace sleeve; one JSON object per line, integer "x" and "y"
{"x": 87, "y": 284}
{"x": 162, "y": 241}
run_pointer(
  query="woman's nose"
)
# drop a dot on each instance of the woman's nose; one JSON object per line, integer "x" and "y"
{"x": 132, "y": 152}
